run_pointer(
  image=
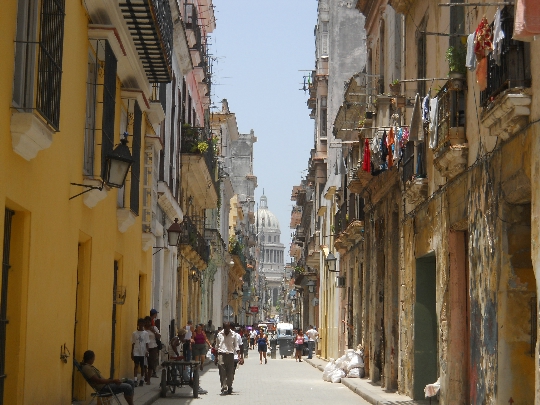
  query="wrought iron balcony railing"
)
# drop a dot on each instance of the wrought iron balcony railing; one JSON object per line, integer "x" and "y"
{"x": 151, "y": 27}
{"x": 451, "y": 112}
{"x": 191, "y": 236}
{"x": 197, "y": 141}
{"x": 514, "y": 69}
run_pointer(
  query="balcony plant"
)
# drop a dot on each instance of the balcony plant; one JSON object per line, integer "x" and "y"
{"x": 456, "y": 56}
{"x": 395, "y": 87}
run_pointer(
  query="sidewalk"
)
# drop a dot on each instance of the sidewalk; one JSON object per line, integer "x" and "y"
{"x": 369, "y": 391}
{"x": 145, "y": 395}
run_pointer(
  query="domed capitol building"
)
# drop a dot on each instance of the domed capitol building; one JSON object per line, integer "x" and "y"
{"x": 271, "y": 250}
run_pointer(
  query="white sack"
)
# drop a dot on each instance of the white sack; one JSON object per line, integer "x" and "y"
{"x": 337, "y": 375}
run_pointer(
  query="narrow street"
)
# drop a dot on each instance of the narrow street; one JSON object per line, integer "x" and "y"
{"x": 280, "y": 381}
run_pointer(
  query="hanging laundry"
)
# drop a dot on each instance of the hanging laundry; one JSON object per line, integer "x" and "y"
{"x": 416, "y": 131}
{"x": 397, "y": 144}
{"x": 384, "y": 150}
{"x": 375, "y": 146}
{"x": 483, "y": 41}
{"x": 526, "y": 20}
{"x": 366, "y": 164}
{"x": 498, "y": 36}
{"x": 390, "y": 143}
{"x": 481, "y": 74}
{"x": 434, "y": 122}
{"x": 405, "y": 136}
{"x": 470, "y": 59}
{"x": 425, "y": 109}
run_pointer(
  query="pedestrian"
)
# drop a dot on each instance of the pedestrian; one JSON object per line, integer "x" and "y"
{"x": 139, "y": 350}
{"x": 252, "y": 337}
{"x": 262, "y": 345}
{"x": 187, "y": 341}
{"x": 299, "y": 344}
{"x": 175, "y": 343}
{"x": 153, "y": 315}
{"x": 312, "y": 335}
{"x": 210, "y": 331}
{"x": 240, "y": 343}
{"x": 199, "y": 348}
{"x": 104, "y": 385}
{"x": 226, "y": 346}
{"x": 153, "y": 352}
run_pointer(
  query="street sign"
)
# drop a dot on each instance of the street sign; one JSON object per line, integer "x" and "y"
{"x": 254, "y": 309}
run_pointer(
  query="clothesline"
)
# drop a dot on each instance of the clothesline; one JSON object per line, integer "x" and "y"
{"x": 503, "y": 3}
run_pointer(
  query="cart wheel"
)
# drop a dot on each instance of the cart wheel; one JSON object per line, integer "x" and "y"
{"x": 163, "y": 384}
{"x": 196, "y": 382}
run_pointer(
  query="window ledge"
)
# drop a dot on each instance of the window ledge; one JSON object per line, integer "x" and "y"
{"x": 155, "y": 113}
{"x": 29, "y": 134}
{"x": 125, "y": 218}
{"x": 416, "y": 190}
{"x": 148, "y": 240}
{"x": 507, "y": 115}
{"x": 93, "y": 197}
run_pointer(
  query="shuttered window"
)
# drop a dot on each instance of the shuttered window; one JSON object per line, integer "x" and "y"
{"x": 136, "y": 166}
{"x": 109, "y": 98}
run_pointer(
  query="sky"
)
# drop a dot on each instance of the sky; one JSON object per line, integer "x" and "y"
{"x": 261, "y": 48}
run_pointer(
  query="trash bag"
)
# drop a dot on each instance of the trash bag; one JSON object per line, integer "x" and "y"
{"x": 340, "y": 361}
{"x": 354, "y": 373}
{"x": 356, "y": 361}
{"x": 337, "y": 375}
{"x": 328, "y": 370}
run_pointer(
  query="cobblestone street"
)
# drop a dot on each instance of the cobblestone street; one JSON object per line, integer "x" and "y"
{"x": 280, "y": 381}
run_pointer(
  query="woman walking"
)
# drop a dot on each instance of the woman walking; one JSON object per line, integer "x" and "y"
{"x": 299, "y": 344}
{"x": 199, "y": 341}
{"x": 262, "y": 344}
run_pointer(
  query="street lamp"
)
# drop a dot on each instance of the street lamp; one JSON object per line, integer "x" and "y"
{"x": 235, "y": 295}
{"x": 311, "y": 286}
{"x": 173, "y": 233}
{"x": 117, "y": 165}
{"x": 331, "y": 262}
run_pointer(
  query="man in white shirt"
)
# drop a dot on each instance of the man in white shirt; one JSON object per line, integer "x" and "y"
{"x": 187, "y": 341}
{"x": 252, "y": 337}
{"x": 226, "y": 346}
{"x": 312, "y": 336}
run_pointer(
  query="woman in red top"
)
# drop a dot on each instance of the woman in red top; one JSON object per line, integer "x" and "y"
{"x": 299, "y": 344}
{"x": 198, "y": 342}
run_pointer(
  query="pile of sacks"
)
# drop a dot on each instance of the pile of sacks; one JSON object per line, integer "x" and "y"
{"x": 350, "y": 365}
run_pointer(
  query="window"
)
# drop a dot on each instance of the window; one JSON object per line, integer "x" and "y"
{"x": 49, "y": 58}
{"x": 109, "y": 98}
{"x": 421, "y": 63}
{"x": 123, "y": 129}
{"x": 136, "y": 166}
{"x": 90, "y": 121}
{"x": 324, "y": 39}
{"x": 323, "y": 118}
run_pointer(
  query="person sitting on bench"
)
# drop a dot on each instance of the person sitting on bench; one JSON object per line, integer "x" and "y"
{"x": 104, "y": 385}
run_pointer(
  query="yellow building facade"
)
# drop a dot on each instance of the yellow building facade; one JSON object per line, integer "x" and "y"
{"x": 75, "y": 276}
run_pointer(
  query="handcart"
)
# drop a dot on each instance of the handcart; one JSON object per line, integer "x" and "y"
{"x": 179, "y": 373}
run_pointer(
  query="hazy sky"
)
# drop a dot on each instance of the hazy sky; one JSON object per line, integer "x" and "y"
{"x": 261, "y": 47}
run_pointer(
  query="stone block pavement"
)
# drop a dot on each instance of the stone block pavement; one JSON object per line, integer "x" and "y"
{"x": 371, "y": 392}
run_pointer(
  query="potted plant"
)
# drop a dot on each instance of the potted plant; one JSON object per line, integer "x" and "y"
{"x": 456, "y": 56}
{"x": 395, "y": 87}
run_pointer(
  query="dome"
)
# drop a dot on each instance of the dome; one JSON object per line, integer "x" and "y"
{"x": 265, "y": 218}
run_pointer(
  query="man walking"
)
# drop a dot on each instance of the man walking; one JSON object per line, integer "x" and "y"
{"x": 227, "y": 345}
{"x": 187, "y": 341}
{"x": 312, "y": 336}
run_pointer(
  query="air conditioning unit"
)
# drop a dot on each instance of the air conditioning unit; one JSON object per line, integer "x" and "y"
{"x": 340, "y": 282}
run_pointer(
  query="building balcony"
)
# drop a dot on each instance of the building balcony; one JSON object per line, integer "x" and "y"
{"x": 151, "y": 27}
{"x": 192, "y": 244}
{"x": 359, "y": 179}
{"x": 198, "y": 166}
{"x": 401, "y": 6}
{"x": 506, "y": 101}
{"x": 416, "y": 190}
{"x": 353, "y": 234}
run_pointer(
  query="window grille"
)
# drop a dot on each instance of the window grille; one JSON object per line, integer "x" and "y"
{"x": 90, "y": 121}
{"x": 50, "y": 61}
{"x": 109, "y": 98}
{"x": 136, "y": 166}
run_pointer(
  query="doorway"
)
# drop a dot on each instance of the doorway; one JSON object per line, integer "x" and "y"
{"x": 425, "y": 325}
{"x": 8, "y": 216}
{"x": 113, "y": 320}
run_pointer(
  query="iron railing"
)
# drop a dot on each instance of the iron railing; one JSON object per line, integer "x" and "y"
{"x": 151, "y": 27}
{"x": 109, "y": 101}
{"x": 514, "y": 70}
{"x": 192, "y": 23}
{"x": 136, "y": 165}
{"x": 451, "y": 112}
{"x": 192, "y": 237}
{"x": 191, "y": 142}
